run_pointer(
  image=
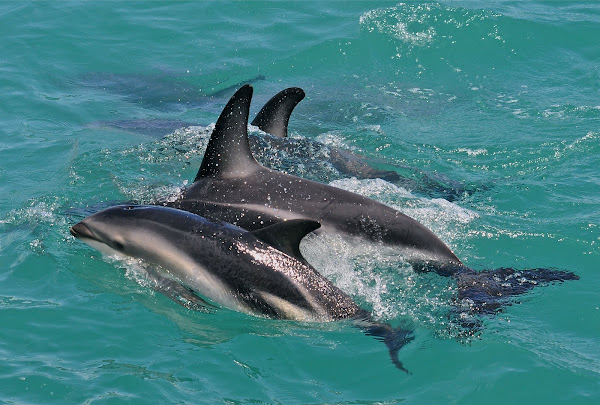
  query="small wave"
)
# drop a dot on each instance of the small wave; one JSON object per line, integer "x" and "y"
{"x": 37, "y": 210}
{"x": 526, "y": 110}
{"x": 473, "y": 152}
{"x": 19, "y": 303}
{"x": 402, "y": 22}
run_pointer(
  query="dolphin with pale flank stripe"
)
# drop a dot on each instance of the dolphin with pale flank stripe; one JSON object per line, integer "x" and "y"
{"x": 261, "y": 273}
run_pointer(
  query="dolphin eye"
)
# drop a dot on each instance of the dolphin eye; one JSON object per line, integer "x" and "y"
{"x": 130, "y": 207}
{"x": 118, "y": 245}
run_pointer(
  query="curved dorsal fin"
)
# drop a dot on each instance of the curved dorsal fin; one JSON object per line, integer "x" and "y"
{"x": 286, "y": 235}
{"x": 228, "y": 152}
{"x": 273, "y": 118}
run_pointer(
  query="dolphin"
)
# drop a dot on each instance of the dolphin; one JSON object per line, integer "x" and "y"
{"x": 160, "y": 91}
{"x": 261, "y": 273}
{"x": 232, "y": 186}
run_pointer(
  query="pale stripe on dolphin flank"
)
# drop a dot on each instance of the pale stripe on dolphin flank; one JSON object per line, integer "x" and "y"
{"x": 288, "y": 310}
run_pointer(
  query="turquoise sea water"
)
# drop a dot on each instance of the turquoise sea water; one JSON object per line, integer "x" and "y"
{"x": 503, "y": 97}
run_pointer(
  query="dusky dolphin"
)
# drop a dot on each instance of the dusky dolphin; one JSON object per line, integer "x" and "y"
{"x": 232, "y": 186}
{"x": 261, "y": 273}
{"x": 161, "y": 91}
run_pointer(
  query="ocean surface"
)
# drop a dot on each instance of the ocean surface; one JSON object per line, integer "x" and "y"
{"x": 104, "y": 102}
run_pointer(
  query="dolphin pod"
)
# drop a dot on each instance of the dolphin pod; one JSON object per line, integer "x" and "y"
{"x": 233, "y": 235}
{"x": 273, "y": 119}
{"x": 259, "y": 273}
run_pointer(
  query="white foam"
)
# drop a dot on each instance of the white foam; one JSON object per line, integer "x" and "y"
{"x": 380, "y": 280}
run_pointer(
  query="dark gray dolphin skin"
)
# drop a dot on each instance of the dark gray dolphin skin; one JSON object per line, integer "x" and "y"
{"x": 232, "y": 187}
{"x": 261, "y": 273}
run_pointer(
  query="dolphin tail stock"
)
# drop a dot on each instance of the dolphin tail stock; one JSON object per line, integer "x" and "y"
{"x": 394, "y": 339}
{"x": 487, "y": 291}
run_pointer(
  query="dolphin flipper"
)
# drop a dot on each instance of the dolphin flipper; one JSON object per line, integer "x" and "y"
{"x": 274, "y": 117}
{"x": 177, "y": 292}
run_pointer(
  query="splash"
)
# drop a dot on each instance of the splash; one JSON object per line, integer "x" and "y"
{"x": 380, "y": 280}
{"x": 405, "y": 23}
{"x": 378, "y": 277}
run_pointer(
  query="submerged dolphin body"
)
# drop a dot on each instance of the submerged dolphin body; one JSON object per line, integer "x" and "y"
{"x": 160, "y": 91}
{"x": 260, "y": 273}
{"x": 231, "y": 186}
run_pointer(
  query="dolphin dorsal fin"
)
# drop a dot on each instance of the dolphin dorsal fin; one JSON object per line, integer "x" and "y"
{"x": 286, "y": 235}
{"x": 273, "y": 118}
{"x": 228, "y": 152}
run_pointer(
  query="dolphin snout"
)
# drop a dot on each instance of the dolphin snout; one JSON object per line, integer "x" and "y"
{"x": 79, "y": 230}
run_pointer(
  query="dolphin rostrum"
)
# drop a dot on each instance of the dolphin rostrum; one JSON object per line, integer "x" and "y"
{"x": 232, "y": 186}
{"x": 261, "y": 273}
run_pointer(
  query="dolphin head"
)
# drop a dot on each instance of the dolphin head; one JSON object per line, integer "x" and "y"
{"x": 111, "y": 231}
{"x": 144, "y": 231}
